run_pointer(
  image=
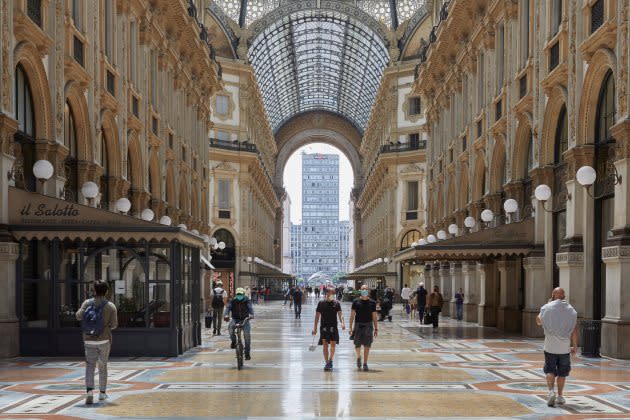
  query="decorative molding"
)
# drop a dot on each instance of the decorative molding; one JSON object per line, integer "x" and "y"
{"x": 570, "y": 258}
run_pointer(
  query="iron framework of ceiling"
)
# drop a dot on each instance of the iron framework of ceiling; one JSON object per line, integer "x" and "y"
{"x": 318, "y": 60}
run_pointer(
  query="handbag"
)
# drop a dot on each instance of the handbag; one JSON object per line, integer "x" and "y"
{"x": 427, "y": 318}
{"x": 208, "y": 320}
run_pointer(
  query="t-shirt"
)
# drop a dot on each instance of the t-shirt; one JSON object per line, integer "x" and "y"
{"x": 459, "y": 298}
{"x": 405, "y": 292}
{"x": 328, "y": 311}
{"x": 363, "y": 309}
{"x": 558, "y": 320}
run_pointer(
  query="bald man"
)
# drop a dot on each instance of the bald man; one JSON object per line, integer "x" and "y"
{"x": 559, "y": 320}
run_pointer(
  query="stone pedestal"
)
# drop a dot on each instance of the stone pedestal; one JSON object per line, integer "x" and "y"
{"x": 9, "y": 324}
{"x": 471, "y": 296}
{"x": 487, "y": 315}
{"x": 508, "y": 313}
{"x": 445, "y": 287}
{"x": 616, "y": 324}
{"x": 535, "y": 294}
{"x": 571, "y": 265}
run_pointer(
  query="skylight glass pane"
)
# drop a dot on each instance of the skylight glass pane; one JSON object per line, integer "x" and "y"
{"x": 231, "y": 8}
{"x": 406, "y": 8}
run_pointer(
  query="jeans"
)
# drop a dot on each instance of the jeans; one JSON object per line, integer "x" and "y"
{"x": 246, "y": 334}
{"x": 460, "y": 311}
{"x": 435, "y": 313}
{"x": 298, "y": 309}
{"x": 217, "y": 318}
{"x": 98, "y": 353}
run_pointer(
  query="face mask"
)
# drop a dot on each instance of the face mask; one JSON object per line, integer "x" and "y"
{"x": 240, "y": 297}
{"x": 330, "y": 298}
{"x": 364, "y": 293}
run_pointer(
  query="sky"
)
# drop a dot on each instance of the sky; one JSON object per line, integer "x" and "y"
{"x": 293, "y": 179}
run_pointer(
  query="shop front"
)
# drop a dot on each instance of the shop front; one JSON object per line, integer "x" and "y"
{"x": 153, "y": 272}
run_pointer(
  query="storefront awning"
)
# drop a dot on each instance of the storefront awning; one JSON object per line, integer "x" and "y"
{"x": 514, "y": 239}
{"x": 37, "y": 216}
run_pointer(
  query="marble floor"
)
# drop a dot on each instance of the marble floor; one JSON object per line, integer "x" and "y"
{"x": 459, "y": 371}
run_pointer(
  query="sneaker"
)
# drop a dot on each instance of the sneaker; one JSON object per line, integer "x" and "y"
{"x": 218, "y": 332}
{"x": 328, "y": 366}
{"x": 102, "y": 396}
{"x": 551, "y": 399}
{"x": 233, "y": 345}
{"x": 358, "y": 363}
{"x": 560, "y": 400}
{"x": 365, "y": 367}
{"x": 89, "y": 397}
{"x": 214, "y": 332}
{"x": 248, "y": 356}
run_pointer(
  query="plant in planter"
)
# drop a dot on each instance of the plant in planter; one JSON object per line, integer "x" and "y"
{"x": 127, "y": 311}
{"x": 161, "y": 315}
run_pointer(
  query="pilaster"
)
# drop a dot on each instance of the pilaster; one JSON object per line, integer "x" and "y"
{"x": 508, "y": 314}
{"x": 471, "y": 295}
{"x": 8, "y": 127}
{"x": 572, "y": 280}
{"x": 487, "y": 316}
{"x": 457, "y": 282}
{"x": 535, "y": 294}
{"x": 616, "y": 323}
{"x": 445, "y": 287}
{"x": 9, "y": 324}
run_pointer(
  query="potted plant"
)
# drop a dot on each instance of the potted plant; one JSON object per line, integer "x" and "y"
{"x": 126, "y": 311}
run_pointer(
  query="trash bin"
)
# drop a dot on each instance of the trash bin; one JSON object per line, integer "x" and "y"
{"x": 591, "y": 337}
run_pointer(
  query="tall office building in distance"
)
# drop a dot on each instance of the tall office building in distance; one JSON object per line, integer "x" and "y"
{"x": 320, "y": 215}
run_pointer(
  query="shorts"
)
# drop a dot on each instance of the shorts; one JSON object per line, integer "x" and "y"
{"x": 557, "y": 364}
{"x": 329, "y": 334}
{"x": 363, "y": 334}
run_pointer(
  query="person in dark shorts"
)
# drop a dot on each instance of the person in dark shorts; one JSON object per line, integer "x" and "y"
{"x": 363, "y": 325}
{"x": 328, "y": 310}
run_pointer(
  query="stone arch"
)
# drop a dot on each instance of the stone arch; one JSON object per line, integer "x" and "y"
{"x": 78, "y": 105}
{"x": 464, "y": 187}
{"x": 479, "y": 177}
{"x": 26, "y": 54}
{"x": 229, "y": 229}
{"x": 329, "y": 137}
{"x": 154, "y": 175}
{"x": 497, "y": 167}
{"x": 135, "y": 168}
{"x": 603, "y": 61}
{"x": 521, "y": 146}
{"x": 557, "y": 99}
{"x": 171, "y": 192}
{"x": 112, "y": 140}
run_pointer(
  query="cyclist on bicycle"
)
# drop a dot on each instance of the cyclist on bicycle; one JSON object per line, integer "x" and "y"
{"x": 240, "y": 307}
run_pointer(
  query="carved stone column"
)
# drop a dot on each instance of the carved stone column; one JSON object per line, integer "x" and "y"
{"x": 535, "y": 293}
{"x": 9, "y": 324}
{"x": 457, "y": 282}
{"x": 471, "y": 295}
{"x": 508, "y": 314}
{"x": 487, "y": 316}
{"x": 445, "y": 287}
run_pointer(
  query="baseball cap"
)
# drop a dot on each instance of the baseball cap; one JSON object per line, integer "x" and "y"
{"x": 240, "y": 291}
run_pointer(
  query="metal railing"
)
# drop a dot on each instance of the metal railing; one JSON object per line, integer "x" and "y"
{"x": 233, "y": 145}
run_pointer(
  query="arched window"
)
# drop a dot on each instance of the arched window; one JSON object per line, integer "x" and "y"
{"x": 409, "y": 238}
{"x": 104, "y": 181}
{"x": 561, "y": 143}
{"x": 529, "y": 165}
{"x": 605, "y": 109}
{"x": 25, "y": 135}
{"x": 71, "y": 187}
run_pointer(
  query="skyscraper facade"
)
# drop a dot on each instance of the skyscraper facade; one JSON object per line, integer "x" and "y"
{"x": 320, "y": 215}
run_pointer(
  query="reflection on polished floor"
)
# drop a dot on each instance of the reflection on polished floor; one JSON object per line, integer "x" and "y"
{"x": 415, "y": 373}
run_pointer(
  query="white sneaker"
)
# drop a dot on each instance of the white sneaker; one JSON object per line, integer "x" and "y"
{"x": 102, "y": 396}
{"x": 89, "y": 397}
{"x": 551, "y": 399}
{"x": 560, "y": 400}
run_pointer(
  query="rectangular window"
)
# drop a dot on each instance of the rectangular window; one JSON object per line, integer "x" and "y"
{"x": 464, "y": 143}
{"x": 597, "y": 15}
{"x": 524, "y": 35}
{"x": 554, "y": 56}
{"x": 500, "y": 57}
{"x": 183, "y": 153}
{"x": 154, "y": 125}
{"x": 222, "y": 104}
{"x": 34, "y": 11}
{"x": 556, "y": 16}
{"x": 111, "y": 83}
{"x": 170, "y": 140}
{"x": 479, "y": 128}
{"x": 78, "y": 51}
{"x": 109, "y": 30}
{"x": 133, "y": 40}
{"x": 414, "y": 140}
{"x": 223, "y": 135}
{"x": 415, "y": 106}
{"x": 224, "y": 194}
{"x": 135, "y": 106}
{"x": 522, "y": 86}
{"x": 498, "y": 110}
{"x": 76, "y": 14}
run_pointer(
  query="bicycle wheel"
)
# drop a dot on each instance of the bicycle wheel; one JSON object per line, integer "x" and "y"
{"x": 239, "y": 354}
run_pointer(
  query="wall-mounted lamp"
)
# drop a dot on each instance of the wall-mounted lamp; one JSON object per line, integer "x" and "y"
{"x": 587, "y": 175}
{"x": 123, "y": 205}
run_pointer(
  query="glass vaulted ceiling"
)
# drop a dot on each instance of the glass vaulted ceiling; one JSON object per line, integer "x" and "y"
{"x": 318, "y": 60}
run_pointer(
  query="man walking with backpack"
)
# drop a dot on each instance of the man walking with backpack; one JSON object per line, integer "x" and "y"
{"x": 98, "y": 318}
{"x": 218, "y": 299}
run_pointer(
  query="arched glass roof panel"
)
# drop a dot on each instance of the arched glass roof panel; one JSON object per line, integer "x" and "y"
{"x": 318, "y": 59}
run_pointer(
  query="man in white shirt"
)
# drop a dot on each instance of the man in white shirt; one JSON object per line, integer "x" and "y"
{"x": 218, "y": 299}
{"x": 559, "y": 320}
{"x": 405, "y": 294}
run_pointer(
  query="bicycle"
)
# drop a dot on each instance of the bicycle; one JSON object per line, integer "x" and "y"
{"x": 238, "y": 331}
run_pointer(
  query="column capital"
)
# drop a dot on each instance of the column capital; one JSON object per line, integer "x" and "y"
{"x": 8, "y": 128}
{"x": 570, "y": 259}
{"x": 534, "y": 262}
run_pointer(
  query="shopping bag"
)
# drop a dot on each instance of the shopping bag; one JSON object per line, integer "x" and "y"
{"x": 312, "y": 347}
{"x": 408, "y": 308}
{"x": 208, "y": 320}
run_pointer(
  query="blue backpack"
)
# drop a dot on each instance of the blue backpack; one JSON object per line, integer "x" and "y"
{"x": 92, "y": 323}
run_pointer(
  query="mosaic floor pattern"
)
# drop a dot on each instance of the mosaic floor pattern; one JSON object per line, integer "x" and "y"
{"x": 460, "y": 371}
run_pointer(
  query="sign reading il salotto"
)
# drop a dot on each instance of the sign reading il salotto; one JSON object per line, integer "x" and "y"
{"x": 26, "y": 208}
